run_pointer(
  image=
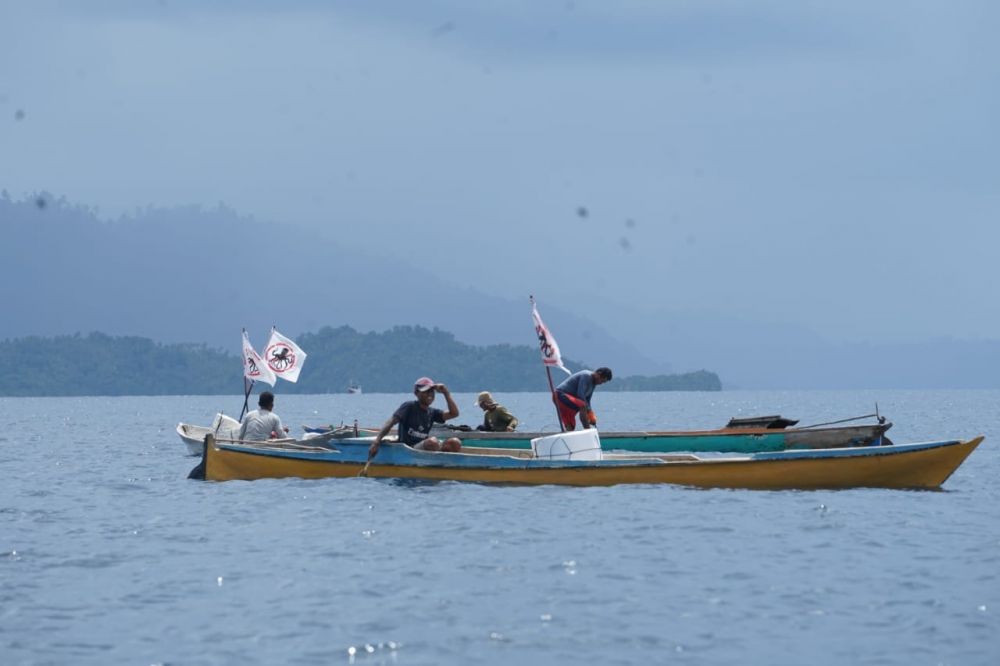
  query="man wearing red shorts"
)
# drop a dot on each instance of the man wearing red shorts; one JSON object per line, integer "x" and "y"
{"x": 573, "y": 396}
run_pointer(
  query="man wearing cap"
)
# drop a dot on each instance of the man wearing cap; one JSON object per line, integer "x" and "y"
{"x": 416, "y": 417}
{"x": 573, "y": 396}
{"x": 496, "y": 417}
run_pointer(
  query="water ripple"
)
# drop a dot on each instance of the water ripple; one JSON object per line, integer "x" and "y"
{"x": 112, "y": 556}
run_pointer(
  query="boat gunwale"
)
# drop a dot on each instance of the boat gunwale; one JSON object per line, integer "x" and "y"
{"x": 881, "y": 428}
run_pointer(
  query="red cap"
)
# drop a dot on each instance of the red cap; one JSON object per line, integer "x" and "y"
{"x": 423, "y": 384}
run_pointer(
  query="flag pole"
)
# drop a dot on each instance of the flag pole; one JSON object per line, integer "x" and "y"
{"x": 254, "y": 366}
{"x": 274, "y": 386}
{"x": 552, "y": 389}
{"x": 246, "y": 396}
{"x": 246, "y": 388}
{"x": 544, "y": 341}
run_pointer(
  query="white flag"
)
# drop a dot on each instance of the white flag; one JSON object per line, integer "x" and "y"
{"x": 284, "y": 357}
{"x": 254, "y": 367}
{"x": 546, "y": 343}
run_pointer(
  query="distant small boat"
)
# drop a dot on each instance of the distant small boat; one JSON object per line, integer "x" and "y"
{"x": 354, "y": 387}
{"x": 904, "y": 466}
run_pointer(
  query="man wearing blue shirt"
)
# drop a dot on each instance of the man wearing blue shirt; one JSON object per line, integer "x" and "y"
{"x": 573, "y": 396}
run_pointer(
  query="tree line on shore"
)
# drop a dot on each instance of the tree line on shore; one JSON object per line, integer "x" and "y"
{"x": 380, "y": 362}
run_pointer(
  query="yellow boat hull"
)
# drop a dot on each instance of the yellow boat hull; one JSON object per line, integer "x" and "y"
{"x": 899, "y": 466}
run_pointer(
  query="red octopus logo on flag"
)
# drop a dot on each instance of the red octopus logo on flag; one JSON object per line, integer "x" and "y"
{"x": 284, "y": 357}
{"x": 254, "y": 367}
{"x": 280, "y": 357}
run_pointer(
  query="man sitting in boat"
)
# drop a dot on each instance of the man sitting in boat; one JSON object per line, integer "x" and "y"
{"x": 574, "y": 394}
{"x": 416, "y": 417}
{"x": 496, "y": 417}
{"x": 262, "y": 424}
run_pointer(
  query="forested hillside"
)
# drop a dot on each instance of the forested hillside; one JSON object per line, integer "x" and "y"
{"x": 99, "y": 364}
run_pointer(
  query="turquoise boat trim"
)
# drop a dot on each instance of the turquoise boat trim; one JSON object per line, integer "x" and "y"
{"x": 643, "y": 443}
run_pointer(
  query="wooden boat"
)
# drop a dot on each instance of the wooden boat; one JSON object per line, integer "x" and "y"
{"x": 922, "y": 465}
{"x": 227, "y": 429}
{"x": 739, "y": 436}
{"x": 223, "y": 427}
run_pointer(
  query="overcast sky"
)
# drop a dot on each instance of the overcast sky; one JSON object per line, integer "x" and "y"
{"x": 833, "y": 167}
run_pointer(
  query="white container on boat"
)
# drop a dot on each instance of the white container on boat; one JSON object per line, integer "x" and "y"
{"x": 575, "y": 445}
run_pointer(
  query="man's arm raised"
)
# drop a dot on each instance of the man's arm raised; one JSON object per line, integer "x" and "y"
{"x": 452, "y": 407}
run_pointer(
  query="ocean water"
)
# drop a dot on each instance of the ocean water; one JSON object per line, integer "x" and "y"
{"x": 110, "y": 555}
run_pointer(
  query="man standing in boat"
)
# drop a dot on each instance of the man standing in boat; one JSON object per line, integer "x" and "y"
{"x": 573, "y": 396}
{"x": 262, "y": 424}
{"x": 416, "y": 417}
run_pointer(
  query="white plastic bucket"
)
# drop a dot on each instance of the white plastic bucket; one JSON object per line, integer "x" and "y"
{"x": 575, "y": 445}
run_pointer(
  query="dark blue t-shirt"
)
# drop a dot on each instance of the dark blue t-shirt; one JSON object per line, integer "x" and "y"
{"x": 415, "y": 423}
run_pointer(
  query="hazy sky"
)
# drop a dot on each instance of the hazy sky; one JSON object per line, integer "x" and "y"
{"x": 831, "y": 167}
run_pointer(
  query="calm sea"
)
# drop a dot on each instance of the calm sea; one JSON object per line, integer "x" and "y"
{"x": 109, "y": 555}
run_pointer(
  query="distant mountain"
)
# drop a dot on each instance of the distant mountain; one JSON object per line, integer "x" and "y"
{"x": 786, "y": 355}
{"x": 99, "y": 364}
{"x": 195, "y": 275}
{"x": 191, "y": 275}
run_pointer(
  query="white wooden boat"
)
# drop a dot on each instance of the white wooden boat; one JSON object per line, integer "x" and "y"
{"x": 226, "y": 429}
{"x": 223, "y": 427}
